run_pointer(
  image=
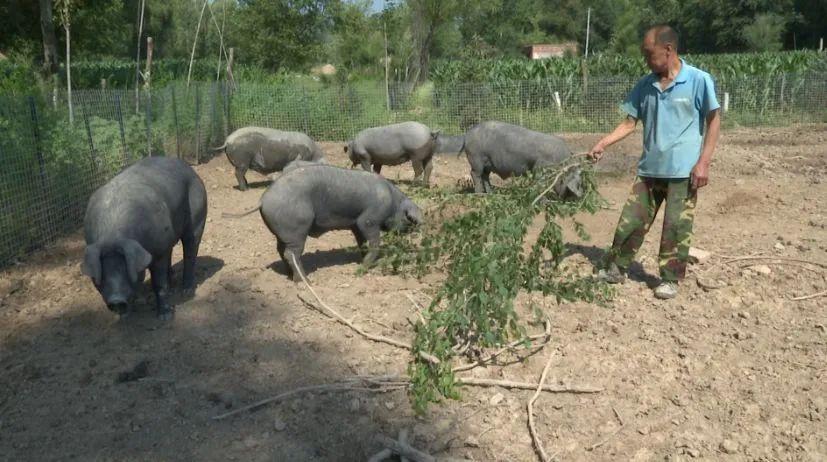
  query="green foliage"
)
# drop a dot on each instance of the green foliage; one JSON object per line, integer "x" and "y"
{"x": 719, "y": 65}
{"x": 481, "y": 244}
{"x": 764, "y": 34}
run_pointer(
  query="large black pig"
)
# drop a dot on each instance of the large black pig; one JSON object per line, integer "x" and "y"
{"x": 133, "y": 222}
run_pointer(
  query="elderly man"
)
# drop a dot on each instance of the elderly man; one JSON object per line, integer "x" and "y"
{"x": 681, "y": 122}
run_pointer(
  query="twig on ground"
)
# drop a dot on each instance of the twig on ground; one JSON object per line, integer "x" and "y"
{"x": 732, "y": 259}
{"x": 381, "y": 455}
{"x": 526, "y": 386}
{"x": 617, "y": 414}
{"x": 386, "y": 383}
{"x": 538, "y": 444}
{"x": 403, "y": 439}
{"x": 546, "y": 334}
{"x": 347, "y": 385}
{"x": 807, "y": 297}
{"x": 404, "y": 449}
{"x": 611, "y": 435}
{"x": 335, "y": 314}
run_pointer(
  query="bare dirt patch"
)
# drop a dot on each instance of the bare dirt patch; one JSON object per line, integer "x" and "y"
{"x": 736, "y": 372}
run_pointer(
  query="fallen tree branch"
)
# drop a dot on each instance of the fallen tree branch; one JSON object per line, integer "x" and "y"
{"x": 386, "y": 383}
{"x": 556, "y": 177}
{"x": 807, "y": 297}
{"x": 611, "y": 435}
{"x": 732, "y": 259}
{"x": 347, "y": 385}
{"x": 538, "y": 444}
{"x": 526, "y": 386}
{"x": 376, "y": 338}
{"x": 404, "y": 450}
{"x": 546, "y": 334}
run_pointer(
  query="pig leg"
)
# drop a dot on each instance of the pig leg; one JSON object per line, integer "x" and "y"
{"x": 281, "y": 246}
{"x": 417, "y": 166}
{"x": 486, "y": 181}
{"x": 360, "y": 239}
{"x": 191, "y": 239}
{"x": 239, "y": 175}
{"x": 370, "y": 232}
{"x": 159, "y": 269}
{"x": 377, "y": 168}
{"x": 293, "y": 255}
{"x": 429, "y": 167}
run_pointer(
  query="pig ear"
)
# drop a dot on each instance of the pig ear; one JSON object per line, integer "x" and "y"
{"x": 137, "y": 258}
{"x": 91, "y": 265}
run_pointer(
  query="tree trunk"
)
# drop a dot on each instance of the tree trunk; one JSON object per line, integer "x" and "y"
{"x": 47, "y": 29}
{"x": 425, "y": 55}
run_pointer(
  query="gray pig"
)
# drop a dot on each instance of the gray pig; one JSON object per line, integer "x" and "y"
{"x": 266, "y": 150}
{"x": 393, "y": 145}
{"x": 507, "y": 150}
{"x": 311, "y": 200}
{"x": 133, "y": 222}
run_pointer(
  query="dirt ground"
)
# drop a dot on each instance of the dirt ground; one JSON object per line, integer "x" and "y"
{"x": 734, "y": 370}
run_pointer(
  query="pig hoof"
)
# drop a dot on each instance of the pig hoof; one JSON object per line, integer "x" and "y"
{"x": 166, "y": 315}
{"x": 188, "y": 291}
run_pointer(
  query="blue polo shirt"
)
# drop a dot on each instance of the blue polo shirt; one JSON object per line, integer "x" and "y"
{"x": 673, "y": 121}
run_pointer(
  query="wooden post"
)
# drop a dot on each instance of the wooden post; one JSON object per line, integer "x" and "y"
{"x": 821, "y": 44}
{"x": 726, "y": 102}
{"x": 119, "y": 115}
{"x": 147, "y": 74}
{"x": 387, "y": 63}
{"x": 103, "y": 84}
{"x": 558, "y": 102}
{"x": 230, "y": 77}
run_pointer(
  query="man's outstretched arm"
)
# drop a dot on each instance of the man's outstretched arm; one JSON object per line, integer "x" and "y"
{"x": 621, "y": 131}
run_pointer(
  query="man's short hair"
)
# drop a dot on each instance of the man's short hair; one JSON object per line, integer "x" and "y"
{"x": 664, "y": 34}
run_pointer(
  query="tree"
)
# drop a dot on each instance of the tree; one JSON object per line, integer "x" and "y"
{"x": 281, "y": 34}
{"x": 764, "y": 34}
{"x": 47, "y": 28}
{"x": 427, "y": 16}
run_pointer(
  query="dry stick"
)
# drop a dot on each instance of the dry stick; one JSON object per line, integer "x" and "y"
{"x": 340, "y": 386}
{"x": 554, "y": 181}
{"x": 526, "y": 386}
{"x": 404, "y": 450}
{"x": 403, "y": 439}
{"x": 731, "y": 259}
{"x": 612, "y": 435}
{"x": 335, "y": 314}
{"x": 195, "y": 41}
{"x": 510, "y": 346}
{"x": 807, "y": 297}
{"x": 530, "y": 408}
{"x": 381, "y": 455}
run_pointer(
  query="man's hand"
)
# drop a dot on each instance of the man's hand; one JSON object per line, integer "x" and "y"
{"x": 700, "y": 175}
{"x": 597, "y": 152}
{"x": 621, "y": 131}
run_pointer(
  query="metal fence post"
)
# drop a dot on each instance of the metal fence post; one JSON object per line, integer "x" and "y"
{"x": 119, "y": 115}
{"x": 44, "y": 229}
{"x": 305, "y": 121}
{"x": 213, "y": 91}
{"x": 92, "y": 154}
{"x": 175, "y": 120}
{"x": 197, "y": 123}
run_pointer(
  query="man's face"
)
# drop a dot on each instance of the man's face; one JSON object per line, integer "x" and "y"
{"x": 656, "y": 55}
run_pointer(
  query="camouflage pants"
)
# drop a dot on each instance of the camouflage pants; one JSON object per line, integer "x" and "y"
{"x": 638, "y": 214}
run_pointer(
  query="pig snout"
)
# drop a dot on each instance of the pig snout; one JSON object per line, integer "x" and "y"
{"x": 117, "y": 306}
